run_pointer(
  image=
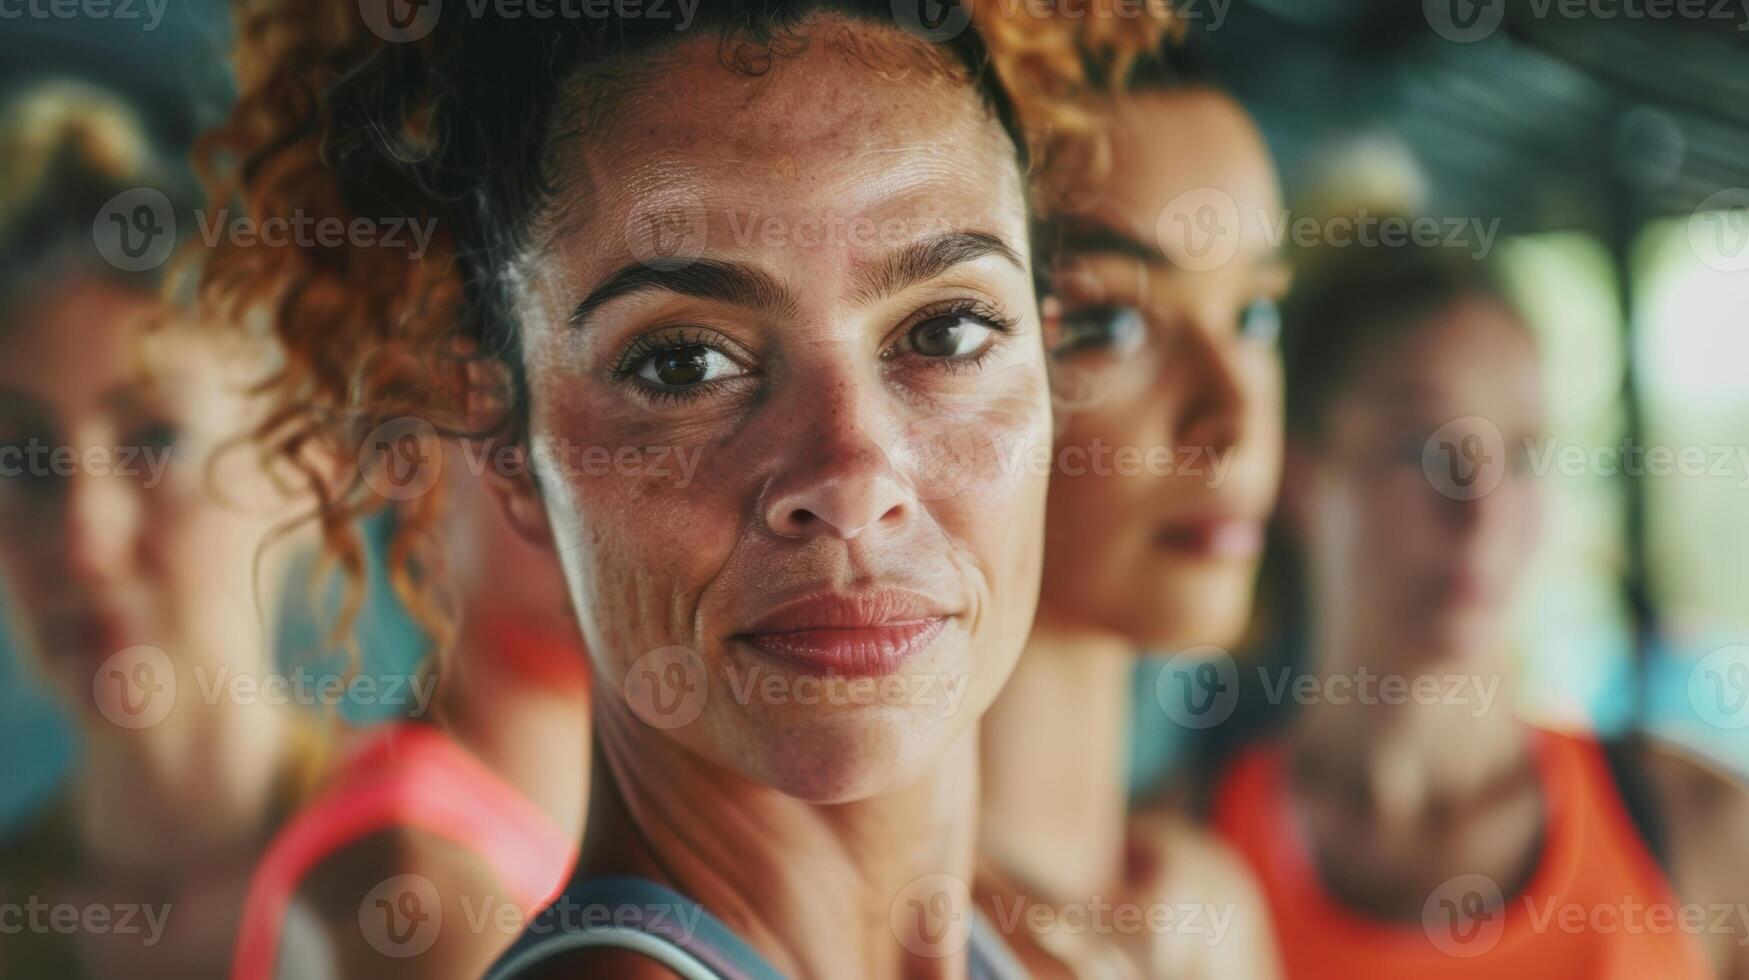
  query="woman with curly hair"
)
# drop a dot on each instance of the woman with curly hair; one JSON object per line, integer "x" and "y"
{"x": 1166, "y": 460}
{"x": 746, "y": 312}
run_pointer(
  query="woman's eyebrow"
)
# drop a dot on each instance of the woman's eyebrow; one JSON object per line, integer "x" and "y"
{"x": 923, "y": 260}
{"x": 1086, "y": 235}
{"x": 728, "y": 282}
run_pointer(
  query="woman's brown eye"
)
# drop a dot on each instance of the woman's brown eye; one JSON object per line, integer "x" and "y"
{"x": 950, "y": 335}
{"x": 683, "y": 367}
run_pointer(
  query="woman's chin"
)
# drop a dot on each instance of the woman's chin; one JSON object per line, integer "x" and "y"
{"x": 1201, "y": 609}
{"x": 860, "y": 755}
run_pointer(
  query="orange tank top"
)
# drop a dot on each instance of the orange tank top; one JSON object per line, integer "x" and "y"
{"x": 1597, "y": 905}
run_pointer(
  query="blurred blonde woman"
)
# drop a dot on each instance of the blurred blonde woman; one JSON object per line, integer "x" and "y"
{"x": 131, "y": 584}
{"x": 145, "y": 581}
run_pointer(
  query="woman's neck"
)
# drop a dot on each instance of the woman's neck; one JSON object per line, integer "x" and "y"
{"x": 1055, "y": 752}
{"x": 198, "y": 788}
{"x": 810, "y": 886}
{"x": 1458, "y": 736}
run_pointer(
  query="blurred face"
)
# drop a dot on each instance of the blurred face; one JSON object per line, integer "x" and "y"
{"x": 1170, "y": 444}
{"x": 796, "y": 312}
{"x": 1408, "y": 551}
{"x": 109, "y": 536}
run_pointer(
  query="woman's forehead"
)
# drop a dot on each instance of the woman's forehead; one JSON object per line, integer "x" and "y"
{"x": 839, "y": 158}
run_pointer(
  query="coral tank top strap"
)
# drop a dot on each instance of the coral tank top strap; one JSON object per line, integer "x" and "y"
{"x": 404, "y": 776}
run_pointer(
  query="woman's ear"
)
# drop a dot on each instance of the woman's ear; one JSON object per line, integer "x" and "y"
{"x": 490, "y": 403}
{"x": 512, "y": 485}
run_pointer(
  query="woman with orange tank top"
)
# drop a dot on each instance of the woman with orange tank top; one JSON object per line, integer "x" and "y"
{"x": 1404, "y": 822}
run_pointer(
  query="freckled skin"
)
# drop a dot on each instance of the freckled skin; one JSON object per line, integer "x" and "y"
{"x": 820, "y": 420}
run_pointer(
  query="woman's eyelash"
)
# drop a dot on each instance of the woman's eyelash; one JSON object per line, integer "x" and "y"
{"x": 977, "y": 309}
{"x": 983, "y": 312}
{"x": 632, "y": 356}
{"x": 637, "y": 351}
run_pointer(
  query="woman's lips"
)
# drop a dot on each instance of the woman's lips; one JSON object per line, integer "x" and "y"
{"x": 866, "y": 634}
{"x": 1218, "y": 537}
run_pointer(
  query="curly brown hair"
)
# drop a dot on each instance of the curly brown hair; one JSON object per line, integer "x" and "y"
{"x": 452, "y": 122}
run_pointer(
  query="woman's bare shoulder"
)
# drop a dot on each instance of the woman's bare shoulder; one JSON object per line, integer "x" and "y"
{"x": 1186, "y": 876}
{"x": 1699, "y": 799}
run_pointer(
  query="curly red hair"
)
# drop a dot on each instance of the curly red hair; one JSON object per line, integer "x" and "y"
{"x": 334, "y": 121}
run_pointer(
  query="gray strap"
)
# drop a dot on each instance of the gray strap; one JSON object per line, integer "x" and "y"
{"x": 643, "y": 943}
{"x": 991, "y": 959}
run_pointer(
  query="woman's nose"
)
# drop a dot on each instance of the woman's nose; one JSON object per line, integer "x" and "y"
{"x": 840, "y": 481}
{"x": 1213, "y": 414}
{"x": 99, "y": 525}
{"x": 842, "y": 501}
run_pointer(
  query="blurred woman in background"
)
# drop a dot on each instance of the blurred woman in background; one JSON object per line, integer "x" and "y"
{"x": 1439, "y": 835}
{"x": 145, "y": 553}
{"x": 1166, "y": 466}
{"x": 137, "y": 593}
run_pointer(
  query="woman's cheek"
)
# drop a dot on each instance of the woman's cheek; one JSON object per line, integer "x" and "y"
{"x": 981, "y": 473}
